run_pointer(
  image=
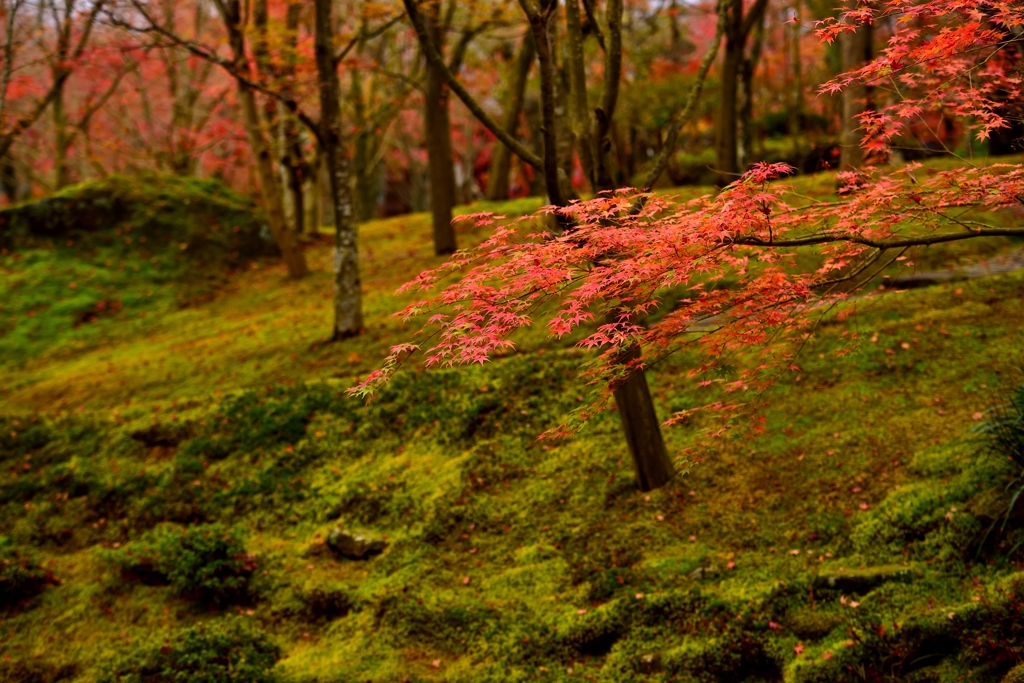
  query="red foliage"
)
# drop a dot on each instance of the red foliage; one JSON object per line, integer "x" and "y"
{"x": 729, "y": 259}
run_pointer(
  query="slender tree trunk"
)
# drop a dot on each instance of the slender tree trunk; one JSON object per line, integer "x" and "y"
{"x": 745, "y": 120}
{"x": 310, "y": 182}
{"x": 366, "y": 192}
{"x": 540, "y": 25}
{"x": 270, "y": 187}
{"x": 61, "y": 176}
{"x": 348, "y": 297}
{"x": 737, "y": 28}
{"x": 726, "y": 163}
{"x": 856, "y": 51}
{"x": 579, "y": 108}
{"x": 501, "y": 159}
{"x": 796, "y": 113}
{"x": 531, "y": 111}
{"x": 271, "y": 117}
{"x": 651, "y": 463}
{"x": 438, "y": 129}
{"x": 295, "y": 164}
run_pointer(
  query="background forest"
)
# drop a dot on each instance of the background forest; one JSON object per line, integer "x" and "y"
{"x": 536, "y": 340}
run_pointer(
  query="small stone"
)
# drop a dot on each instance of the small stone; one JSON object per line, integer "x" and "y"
{"x": 704, "y": 573}
{"x": 650, "y": 663}
{"x": 354, "y": 547}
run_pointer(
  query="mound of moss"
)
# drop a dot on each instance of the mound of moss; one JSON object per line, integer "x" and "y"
{"x": 228, "y": 650}
{"x": 203, "y": 219}
{"x": 82, "y": 263}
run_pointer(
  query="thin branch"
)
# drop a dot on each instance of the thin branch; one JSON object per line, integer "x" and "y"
{"x": 364, "y": 36}
{"x": 428, "y": 47}
{"x": 205, "y": 53}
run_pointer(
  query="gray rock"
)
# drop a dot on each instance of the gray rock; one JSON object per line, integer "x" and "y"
{"x": 704, "y": 573}
{"x": 354, "y": 547}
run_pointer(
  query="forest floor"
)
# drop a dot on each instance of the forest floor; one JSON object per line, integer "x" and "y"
{"x": 863, "y": 536}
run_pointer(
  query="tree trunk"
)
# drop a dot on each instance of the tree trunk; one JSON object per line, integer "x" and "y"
{"x": 438, "y": 130}
{"x": 61, "y": 177}
{"x": 651, "y": 462}
{"x": 294, "y": 159}
{"x": 270, "y": 188}
{"x": 796, "y": 112}
{"x": 737, "y": 29}
{"x": 348, "y": 297}
{"x": 856, "y": 51}
{"x": 540, "y": 25}
{"x": 726, "y": 162}
{"x": 745, "y": 151}
{"x": 501, "y": 159}
{"x": 640, "y": 424}
{"x": 366, "y": 192}
{"x": 579, "y": 108}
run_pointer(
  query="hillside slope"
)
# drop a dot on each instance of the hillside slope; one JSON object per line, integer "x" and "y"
{"x": 191, "y": 471}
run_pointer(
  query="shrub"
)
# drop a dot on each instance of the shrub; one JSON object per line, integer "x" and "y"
{"x": 229, "y": 651}
{"x": 206, "y": 562}
{"x": 21, "y": 576}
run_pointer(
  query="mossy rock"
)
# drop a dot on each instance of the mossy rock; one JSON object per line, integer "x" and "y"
{"x": 812, "y": 624}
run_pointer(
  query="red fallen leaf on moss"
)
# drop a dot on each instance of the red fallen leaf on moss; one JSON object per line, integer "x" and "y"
{"x": 465, "y": 580}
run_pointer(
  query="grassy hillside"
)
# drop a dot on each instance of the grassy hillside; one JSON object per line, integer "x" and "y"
{"x": 169, "y": 489}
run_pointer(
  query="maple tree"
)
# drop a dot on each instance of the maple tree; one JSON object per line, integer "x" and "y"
{"x": 623, "y": 251}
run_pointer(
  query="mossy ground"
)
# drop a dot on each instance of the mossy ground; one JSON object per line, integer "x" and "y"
{"x": 511, "y": 559}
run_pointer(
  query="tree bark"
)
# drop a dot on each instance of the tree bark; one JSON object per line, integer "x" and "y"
{"x": 579, "y": 109}
{"x": 726, "y": 163}
{"x": 651, "y": 463}
{"x": 438, "y": 130}
{"x": 540, "y": 25}
{"x": 62, "y": 140}
{"x": 366, "y": 194}
{"x": 348, "y": 297}
{"x": 501, "y": 158}
{"x": 856, "y": 51}
{"x": 738, "y": 26}
{"x": 796, "y": 112}
{"x": 270, "y": 188}
{"x": 294, "y": 160}
{"x": 745, "y": 121}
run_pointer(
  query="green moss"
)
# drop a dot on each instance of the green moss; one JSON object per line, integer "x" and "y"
{"x": 224, "y": 650}
{"x": 509, "y": 558}
{"x": 206, "y": 562}
{"x": 102, "y": 256}
{"x": 21, "y": 575}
